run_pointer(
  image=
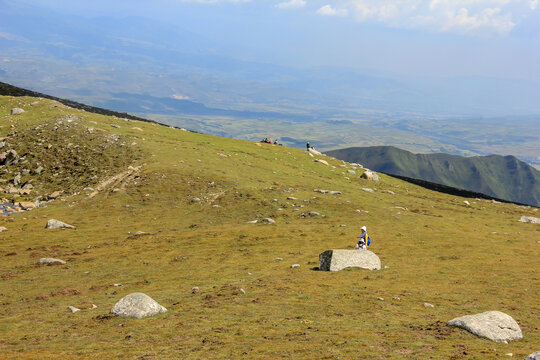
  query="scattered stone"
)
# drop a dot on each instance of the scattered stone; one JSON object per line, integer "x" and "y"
{"x": 314, "y": 152}
{"x": 336, "y": 260}
{"x": 115, "y": 126}
{"x": 294, "y": 266}
{"x": 38, "y": 170}
{"x": 467, "y": 203}
{"x": 55, "y": 195}
{"x": 331, "y": 192}
{"x": 268, "y": 221}
{"x": 370, "y": 175}
{"x": 428, "y": 305}
{"x": 368, "y": 190}
{"x": 390, "y": 192}
{"x": 195, "y": 290}
{"x": 253, "y": 222}
{"x": 278, "y": 259}
{"x": 242, "y": 291}
{"x": 380, "y": 299}
{"x": 352, "y": 172}
{"x": 27, "y": 205}
{"x": 73, "y": 309}
{"x": 117, "y": 285}
{"x": 17, "y": 180}
{"x": 493, "y": 325}
{"x": 195, "y": 199}
{"x": 9, "y": 157}
{"x": 28, "y": 186}
{"x": 291, "y": 198}
{"x": 534, "y": 356}
{"x": 16, "y": 111}
{"x": 322, "y": 162}
{"x": 137, "y": 306}
{"x": 51, "y": 261}
{"x": 137, "y": 128}
{"x": 56, "y": 224}
{"x": 313, "y": 213}
{"x": 3, "y": 228}
{"x": 530, "y": 219}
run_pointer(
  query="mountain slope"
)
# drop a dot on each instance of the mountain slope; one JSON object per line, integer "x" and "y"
{"x": 503, "y": 177}
{"x": 434, "y": 248}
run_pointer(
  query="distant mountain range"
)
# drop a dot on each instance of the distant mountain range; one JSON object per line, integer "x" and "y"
{"x": 504, "y": 177}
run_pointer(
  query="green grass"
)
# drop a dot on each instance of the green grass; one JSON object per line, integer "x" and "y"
{"x": 439, "y": 251}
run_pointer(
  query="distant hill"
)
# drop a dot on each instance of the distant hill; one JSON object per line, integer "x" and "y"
{"x": 504, "y": 177}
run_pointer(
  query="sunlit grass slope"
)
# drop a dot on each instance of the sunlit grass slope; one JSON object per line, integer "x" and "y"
{"x": 434, "y": 248}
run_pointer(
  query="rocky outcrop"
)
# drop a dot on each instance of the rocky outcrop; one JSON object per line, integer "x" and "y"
{"x": 370, "y": 175}
{"x": 493, "y": 325}
{"x": 137, "y": 306}
{"x": 534, "y": 356}
{"x": 57, "y": 224}
{"x": 336, "y": 260}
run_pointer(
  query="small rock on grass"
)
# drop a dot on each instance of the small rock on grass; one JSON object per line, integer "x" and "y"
{"x": 57, "y": 224}
{"x": 195, "y": 290}
{"x": 268, "y": 221}
{"x": 534, "y": 356}
{"x": 2, "y": 228}
{"x": 73, "y": 309}
{"x": 530, "y": 219}
{"x": 294, "y": 266}
{"x": 137, "y": 306}
{"x": 51, "y": 261}
{"x": 428, "y": 305}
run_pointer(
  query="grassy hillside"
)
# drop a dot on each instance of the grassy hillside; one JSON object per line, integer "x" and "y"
{"x": 434, "y": 248}
{"x": 503, "y": 177}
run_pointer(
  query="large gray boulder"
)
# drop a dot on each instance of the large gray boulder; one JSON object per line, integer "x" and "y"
{"x": 535, "y": 356}
{"x": 493, "y": 325}
{"x": 137, "y": 306}
{"x": 57, "y": 224}
{"x": 336, "y": 260}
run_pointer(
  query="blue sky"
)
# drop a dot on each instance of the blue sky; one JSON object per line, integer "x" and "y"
{"x": 497, "y": 38}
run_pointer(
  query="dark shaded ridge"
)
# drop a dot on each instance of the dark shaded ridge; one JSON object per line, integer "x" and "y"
{"x": 10, "y": 90}
{"x": 451, "y": 190}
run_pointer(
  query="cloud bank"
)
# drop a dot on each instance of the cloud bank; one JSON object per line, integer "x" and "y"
{"x": 456, "y": 16}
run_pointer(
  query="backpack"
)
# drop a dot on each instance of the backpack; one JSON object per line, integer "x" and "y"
{"x": 368, "y": 241}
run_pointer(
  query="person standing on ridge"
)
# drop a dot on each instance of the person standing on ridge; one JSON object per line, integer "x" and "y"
{"x": 308, "y": 146}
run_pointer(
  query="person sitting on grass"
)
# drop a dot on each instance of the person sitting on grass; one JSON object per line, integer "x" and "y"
{"x": 363, "y": 243}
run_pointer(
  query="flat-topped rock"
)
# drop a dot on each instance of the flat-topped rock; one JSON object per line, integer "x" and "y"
{"x": 51, "y": 261}
{"x": 137, "y": 306}
{"x": 336, "y": 260}
{"x": 530, "y": 219}
{"x": 493, "y": 325}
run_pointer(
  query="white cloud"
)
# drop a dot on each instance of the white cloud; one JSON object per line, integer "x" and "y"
{"x": 328, "y": 10}
{"x": 291, "y": 4}
{"x": 458, "y": 16}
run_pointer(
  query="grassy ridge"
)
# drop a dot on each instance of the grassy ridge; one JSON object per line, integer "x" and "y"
{"x": 503, "y": 177}
{"x": 463, "y": 259}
